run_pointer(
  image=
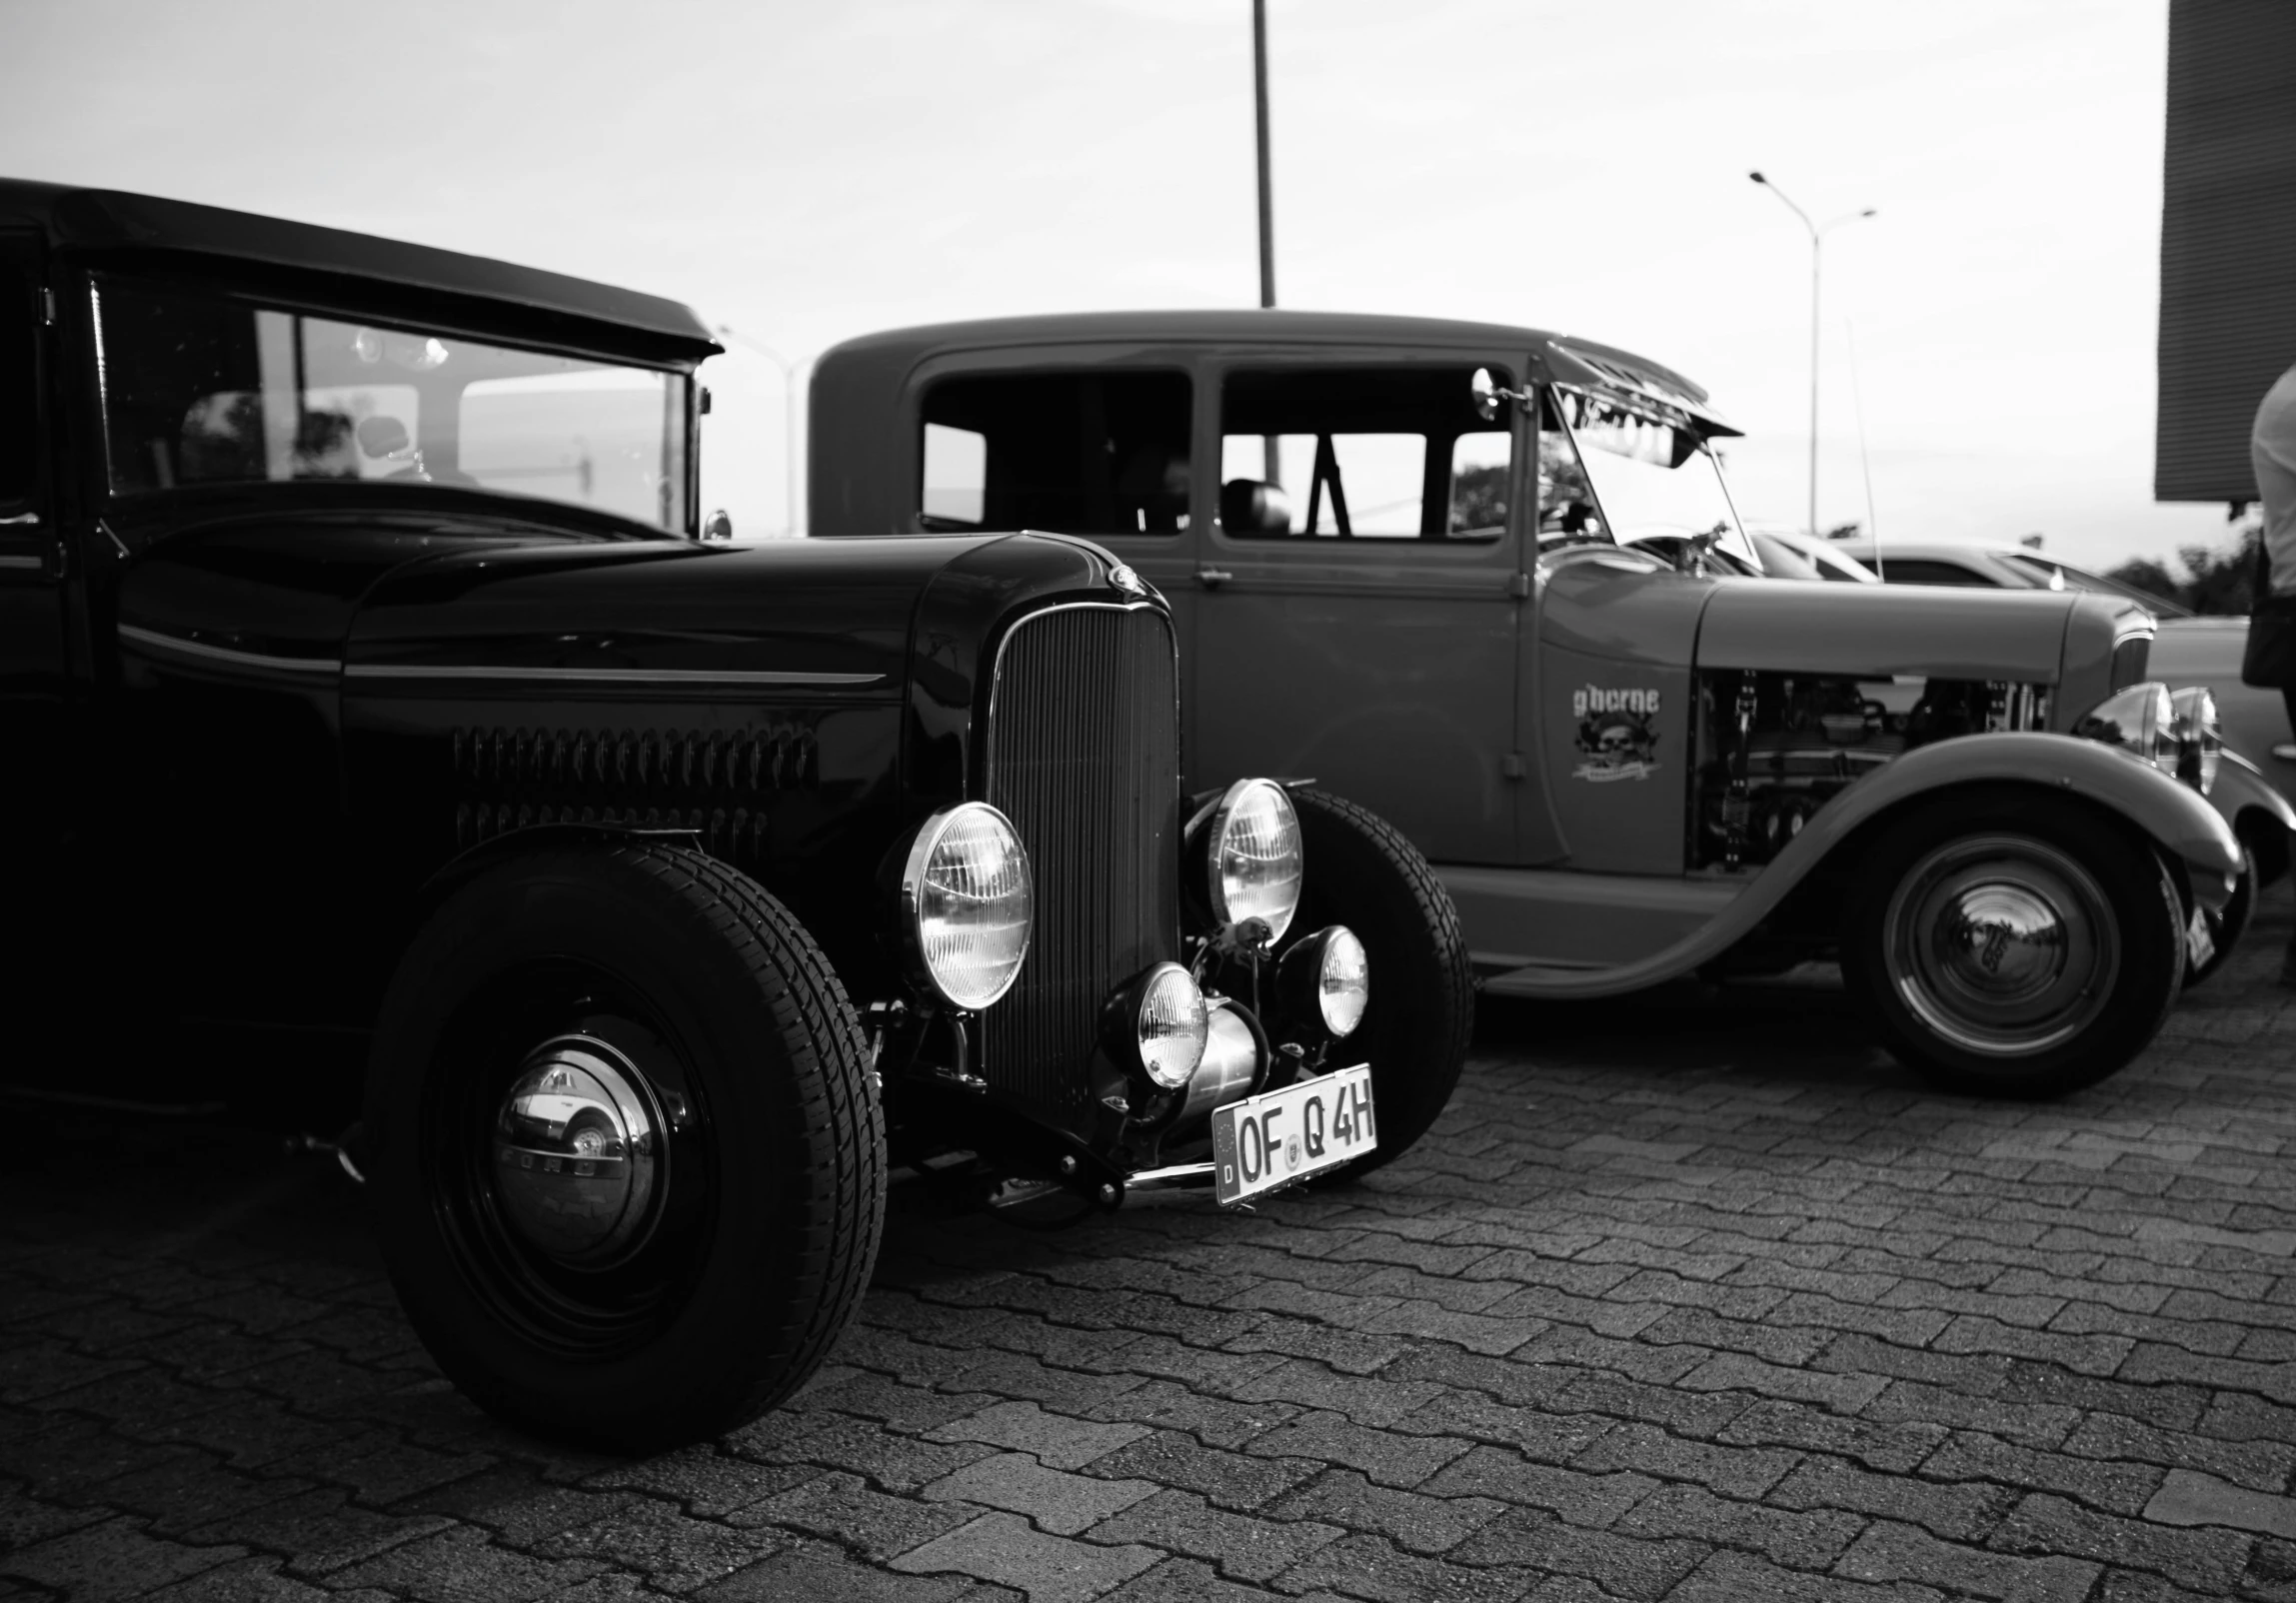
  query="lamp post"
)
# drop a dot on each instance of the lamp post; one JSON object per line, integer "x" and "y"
{"x": 789, "y": 417}
{"x": 1816, "y": 238}
{"x": 1272, "y": 465}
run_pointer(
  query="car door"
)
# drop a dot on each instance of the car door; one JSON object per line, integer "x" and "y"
{"x": 38, "y": 702}
{"x": 1359, "y": 588}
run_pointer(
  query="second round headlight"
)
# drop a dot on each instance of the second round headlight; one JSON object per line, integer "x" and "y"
{"x": 2140, "y": 720}
{"x": 1171, "y": 1025}
{"x": 1325, "y": 980}
{"x": 969, "y": 903}
{"x": 2199, "y": 736}
{"x": 1253, "y": 865}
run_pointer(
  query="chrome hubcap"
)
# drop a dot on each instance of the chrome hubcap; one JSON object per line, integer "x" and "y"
{"x": 577, "y": 1152}
{"x": 2001, "y": 944}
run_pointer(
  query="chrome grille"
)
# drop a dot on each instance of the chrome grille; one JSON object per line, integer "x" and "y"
{"x": 1082, "y": 755}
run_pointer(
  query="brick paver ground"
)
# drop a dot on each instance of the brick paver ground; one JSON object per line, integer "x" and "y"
{"x": 1690, "y": 1297}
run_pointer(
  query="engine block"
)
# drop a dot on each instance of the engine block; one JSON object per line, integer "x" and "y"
{"x": 1775, "y": 748}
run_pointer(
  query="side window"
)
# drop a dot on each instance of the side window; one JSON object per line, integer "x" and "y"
{"x": 1072, "y": 453}
{"x": 1920, "y": 570}
{"x": 1567, "y": 513}
{"x": 19, "y": 390}
{"x": 1360, "y": 453}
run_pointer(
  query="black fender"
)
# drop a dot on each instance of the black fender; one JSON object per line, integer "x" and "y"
{"x": 2259, "y": 815}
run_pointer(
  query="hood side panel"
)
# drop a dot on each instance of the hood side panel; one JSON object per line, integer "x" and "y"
{"x": 1810, "y": 627}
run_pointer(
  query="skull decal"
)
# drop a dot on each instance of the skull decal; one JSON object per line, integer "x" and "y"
{"x": 1617, "y": 736}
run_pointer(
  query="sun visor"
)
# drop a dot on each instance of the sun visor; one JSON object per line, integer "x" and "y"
{"x": 1631, "y": 377}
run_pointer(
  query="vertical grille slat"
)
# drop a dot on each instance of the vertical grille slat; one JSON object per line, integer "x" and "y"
{"x": 1082, "y": 755}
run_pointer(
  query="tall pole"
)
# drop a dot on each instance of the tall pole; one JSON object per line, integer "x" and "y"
{"x": 1816, "y": 240}
{"x": 1270, "y": 448}
{"x": 1814, "y": 253}
{"x": 1267, "y": 183}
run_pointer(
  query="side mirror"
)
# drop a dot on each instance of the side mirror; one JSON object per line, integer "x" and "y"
{"x": 1484, "y": 388}
{"x": 1489, "y": 395}
{"x": 717, "y": 529}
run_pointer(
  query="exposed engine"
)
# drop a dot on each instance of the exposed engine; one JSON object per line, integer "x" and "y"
{"x": 1775, "y": 748}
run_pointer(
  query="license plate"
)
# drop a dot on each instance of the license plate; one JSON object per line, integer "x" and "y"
{"x": 1279, "y": 1138}
{"x": 2199, "y": 939}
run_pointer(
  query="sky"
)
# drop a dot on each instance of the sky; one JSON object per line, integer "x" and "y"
{"x": 805, "y": 172}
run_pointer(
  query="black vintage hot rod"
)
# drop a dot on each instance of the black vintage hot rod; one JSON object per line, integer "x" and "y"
{"x": 365, "y": 663}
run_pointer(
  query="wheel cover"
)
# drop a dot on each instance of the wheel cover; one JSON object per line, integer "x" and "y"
{"x": 577, "y": 1155}
{"x": 2001, "y": 944}
{"x": 557, "y": 1065}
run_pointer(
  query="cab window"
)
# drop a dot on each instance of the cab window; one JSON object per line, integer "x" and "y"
{"x": 1103, "y": 453}
{"x": 19, "y": 390}
{"x": 209, "y": 388}
{"x": 1360, "y": 453}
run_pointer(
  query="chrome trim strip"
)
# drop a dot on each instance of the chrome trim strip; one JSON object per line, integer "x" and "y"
{"x": 694, "y": 676}
{"x": 1175, "y": 1178}
{"x": 223, "y": 653}
{"x": 14, "y": 564}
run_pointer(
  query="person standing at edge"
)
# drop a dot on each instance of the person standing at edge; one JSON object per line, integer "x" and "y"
{"x": 2270, "y": 661}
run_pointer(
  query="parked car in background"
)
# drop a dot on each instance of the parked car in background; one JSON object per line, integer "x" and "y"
{"x": 1988, "y": 566}
{"x": 2187, "y": 649}
{"x": 1398, "y": 553}
{"x": 365, "y": 669}
{"x": 1788, "y": 550}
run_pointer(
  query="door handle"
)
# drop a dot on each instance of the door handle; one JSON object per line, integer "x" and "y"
{"x": 1212, "y": 578}
{"x": 22, "y": 520}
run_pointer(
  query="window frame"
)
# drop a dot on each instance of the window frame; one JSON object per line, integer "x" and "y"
{"x": 1045, "y": 362}
{"x": 1389, "y": 551}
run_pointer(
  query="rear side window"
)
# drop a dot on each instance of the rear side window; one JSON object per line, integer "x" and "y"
{"x": 1074, "y": 453}
{"x": 19, "y": 390}
{"x": 1360, "y": 453}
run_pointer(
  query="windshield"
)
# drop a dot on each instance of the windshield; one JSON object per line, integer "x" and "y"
{"x": 2054, "y": 574}
{"x": 1651, "y": 474}
{"x": 212, "y": 389}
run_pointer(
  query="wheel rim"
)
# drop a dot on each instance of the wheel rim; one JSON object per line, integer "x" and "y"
{"x": 2001, "y": 944}
{"x": 569, "y": 1159}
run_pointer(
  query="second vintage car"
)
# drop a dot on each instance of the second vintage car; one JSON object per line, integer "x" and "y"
{"x": 365, "y": 668}
{"x": 1396, "y": 554}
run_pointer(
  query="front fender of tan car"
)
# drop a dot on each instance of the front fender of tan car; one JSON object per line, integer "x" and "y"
{"x": 2187, "y": 831}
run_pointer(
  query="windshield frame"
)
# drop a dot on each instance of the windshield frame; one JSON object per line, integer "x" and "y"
{"x": 682, "y": 392}
{"x": 1734, "y": 538}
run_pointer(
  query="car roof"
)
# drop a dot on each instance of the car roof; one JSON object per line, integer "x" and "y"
{"x": 117, "y": 222}
{"x": 1585, "y": 361}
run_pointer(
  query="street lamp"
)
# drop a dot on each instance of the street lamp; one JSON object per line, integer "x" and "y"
{"x": 1816, "y": 234}
{"x": 789, "y": 414}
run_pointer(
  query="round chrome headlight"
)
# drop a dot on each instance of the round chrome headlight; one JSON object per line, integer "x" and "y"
{"x": 2199, "y": 736}
{"x": 1169, "y": 1025}
{"x": 1253, "y": 864}
{"x": 1344, "y": 983}
{"x": 1326, "y": 979}
{"x": 2141, "y": 721}
{"x": 967, "y": 902}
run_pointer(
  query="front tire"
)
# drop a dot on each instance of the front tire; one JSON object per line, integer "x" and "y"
{"x": 1361, "y": 872}
{"x": 628, "y": 1163}
{"x": 2013, "y": 945}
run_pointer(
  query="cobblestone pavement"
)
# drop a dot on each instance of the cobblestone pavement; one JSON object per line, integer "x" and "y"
{"x": 1690, "y": 1297}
